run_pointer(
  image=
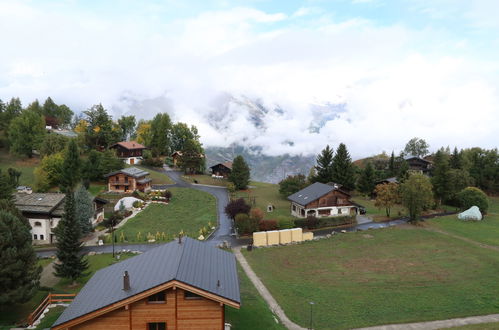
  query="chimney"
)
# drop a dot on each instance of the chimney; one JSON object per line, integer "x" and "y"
{"x": 126, "y": 281}
{"x": 218, "y": 283}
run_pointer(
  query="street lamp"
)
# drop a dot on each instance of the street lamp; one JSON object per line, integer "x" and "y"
{"x": 311, "y": 315}
{"x": 112, "y": 232}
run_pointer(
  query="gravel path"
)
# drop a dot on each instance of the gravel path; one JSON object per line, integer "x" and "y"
{"x": 47, "y": 278}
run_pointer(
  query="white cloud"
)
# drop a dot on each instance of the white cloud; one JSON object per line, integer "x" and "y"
{"x": 392, "y": 88}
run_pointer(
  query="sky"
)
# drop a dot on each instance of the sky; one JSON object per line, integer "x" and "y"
{"x": 288, "y": 76}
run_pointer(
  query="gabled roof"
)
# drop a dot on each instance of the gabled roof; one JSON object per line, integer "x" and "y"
{"x": 131, "y": 171}
{"x": 226, "y": 164}
{"x": 312, "y": 193}
{"x": 417, "y": 158}
{"x": 192, "y": 262}
{"x": 130, "y": 145}
{"x": 389, "y": 180}
{"x": 41, "y": 203}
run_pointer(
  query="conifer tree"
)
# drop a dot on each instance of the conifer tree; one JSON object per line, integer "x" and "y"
{"x": 84, "y": 209}
{"x": 71, "y": 173}
{"x": 367, "y": 179}
{"x": 240, "y": 173}
{"x": 19, "y": 272}
{"x": 72, "y": 263}
{"x": 440, "y": 179}
{"x": 342, "y": 169}
{"x": 391, "y": 165}
{"x": 324, "y": 166}
{"x": 456, "y": 160}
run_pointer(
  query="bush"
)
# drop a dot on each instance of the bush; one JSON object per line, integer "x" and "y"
{"x": 256, "y": 214}
{"x": 236, "y": 207}
{"x": 324, "y": 222}
{"x": 312, "y": 222}
{"x": 167, "y": 194}
{"x": 265, "y": 225}
{"x": 139, "y": 195}
{"x": 153, "y": 162}
{"x": 471, "y": 196}
{"x": 137, "y": 204}
{"x": 286, "y": 223}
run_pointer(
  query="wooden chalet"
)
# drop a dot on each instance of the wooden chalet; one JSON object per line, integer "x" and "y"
{"x": 45, "y": 210}
{"x": 222, "y": 169}
{"x": 128, "y": 180}
{"x": 176, "y": 157}
{"x": 129, "y": 151}
{"x": 419, "y": 165}
{"x": 322, "y": 200}
{"x": 184, "y": 284}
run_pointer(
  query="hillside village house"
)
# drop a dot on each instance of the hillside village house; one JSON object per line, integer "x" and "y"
{"x": 175, "y": 157}
{"x": 129, "y": 151}
{"x": 128, "y": 180}
{"x": 418, "y": 165}
{"x": 184, "y": 284}
{"x": 322, "y": 200}
{"x": 44, "y": 211}
{"x": 222, "y": 169}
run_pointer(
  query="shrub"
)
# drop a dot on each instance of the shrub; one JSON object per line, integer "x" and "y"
{"x": 336, "y": 221}
{"x": 312, "y": 222}
{"x": 267, "y": 225}
{"x": 471, "y": 196}
{"x": 236, "y": 207}
{"x": 153, "y": 162}
{"x": 244, "y": 224}
{"x": 167, "y": 194}
{"x": 286, "y": 223}
{"x": 137, "y": 204}
{"x": 256, "y": 214}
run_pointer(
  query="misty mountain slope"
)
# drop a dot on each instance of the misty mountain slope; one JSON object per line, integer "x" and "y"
{"x": 264, "y": 168}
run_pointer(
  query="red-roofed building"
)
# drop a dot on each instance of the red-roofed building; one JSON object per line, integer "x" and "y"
{"x": 129, "y": 151}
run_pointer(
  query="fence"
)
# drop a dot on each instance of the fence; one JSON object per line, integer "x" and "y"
{"x": 50, "y": 299}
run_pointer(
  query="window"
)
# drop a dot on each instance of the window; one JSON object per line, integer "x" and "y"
{"x": 38, "y": 224}
{"x": 294, "y": 207}
{"x": 35, "y": 236}
{"x": 158, "y": 298}
{"x": 157, "y": 326}
{"x": 41, "y": 237}
{"x": 126, "y": 179}
{"x": 191, "y": 295}
{"x": 117, "y": 187}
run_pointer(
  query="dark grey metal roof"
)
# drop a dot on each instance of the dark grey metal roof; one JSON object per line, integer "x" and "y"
{"x": 311, "y": 193}
{"x": 193, "y": 262}
{"x": 43, "y": 203}
{"x": 132, "y": 171}
{"x": 389, "y": 180}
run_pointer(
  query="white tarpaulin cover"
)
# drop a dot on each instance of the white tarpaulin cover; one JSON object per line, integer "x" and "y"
{"x": 473, "y": 213}
{"x": 127, "y": 201}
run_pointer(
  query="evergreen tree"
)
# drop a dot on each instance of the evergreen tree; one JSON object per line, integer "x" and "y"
{"x": 240, "y": 173}
{"x": 402, "y": 169}
{"x": 440, "y": 179}
{"x": 52, "y": 144}
{"x": 324, "y": 171}
{"x": 367, "y": 179}
{"x": 342, "y": 169}
{"x": 391, "y": 165}
{"x": 19, "y": 272}
{"x": 192, "y": 160}
{"x": 100, "y": 131}
{"x": 6, "y": 188}
{"x": 71, "y": 172}
{"x": 72, "y": 263}
{"x": 127, "y": 124}
{"x": 26, "y": 132}
{"x": 456, "y": 160}
{"x": 292, "y": 184}
{"x": 84, "y": 209}
{"x": 35, "y": 107}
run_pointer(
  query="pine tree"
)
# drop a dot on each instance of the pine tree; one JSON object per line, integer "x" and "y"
{"x": 440, "y": 179}
{"x": 6, "y": 188}
{"x": 324, "y": 172}
{"x": 367, "y": 179}
{"x": 240, "y": 173}
{"x": 342, "y": 169}
{"x": 19, "y": 273}
{"x": 456, "y": 160}
{"x": 71, "y": 173}
{"x": 84, "y": 209}
{"x": 72, "y": 263}
{"x": 391, "y": 165}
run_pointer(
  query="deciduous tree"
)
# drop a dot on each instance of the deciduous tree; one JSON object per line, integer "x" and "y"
{"x": 127, "y": 124}
{"x": 160, "y": 134}
{"x": 472, "y": 196}
{"x": 416, "y": 195}
{"x": 292, "y": 184}
{"x": 416, "y": 147}
{"x": 387, "y": 195}
{"x": 236, "y": 207}
{"x": 26, "y": 132}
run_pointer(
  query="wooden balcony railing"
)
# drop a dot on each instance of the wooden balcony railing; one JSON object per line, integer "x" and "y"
{"x": 50, "y": 299}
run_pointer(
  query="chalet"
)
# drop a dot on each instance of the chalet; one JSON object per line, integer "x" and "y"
{"x": 222, "y": 169}
{"x": 184, "y": 284}
{"x": 387, "y": 180}
{"x": 418, "y": 165}
{"x": 322, "y": 200}
{"x": 128, "y": 180}
{"x": 175, "y": 157}
{"x": 45, "y": 210}
{"x": 129, "y": 151}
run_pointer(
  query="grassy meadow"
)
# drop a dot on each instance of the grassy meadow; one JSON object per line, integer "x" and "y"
{"x": 25, "y": 165}
{"x": 189, "y": 210}
{"x": 393, "y": 275}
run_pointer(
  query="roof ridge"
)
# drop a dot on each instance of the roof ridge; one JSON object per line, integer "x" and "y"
{"x": 181, "y": 256}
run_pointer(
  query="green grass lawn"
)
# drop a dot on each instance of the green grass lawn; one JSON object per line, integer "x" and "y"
{"x": 205, "y": 179}
{"x": 189, "y": 210}
{"x": 394, "y": 275}
{"x": 379, "y": 214}
{"x": 484, "y": 231}
{"x": 50, "y": 317}
{"x": 156, "y": 176}
{"x": 254, "y": 312}
{"x": 25, "y": 165}
{"x": 97, "y": 188}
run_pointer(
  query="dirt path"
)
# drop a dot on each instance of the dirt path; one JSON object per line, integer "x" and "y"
{"x": 47, "y": 278}
{"x": 442, "y": 324}
{"x": 482, "y": 245}
{"x": 276, "y": 309}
